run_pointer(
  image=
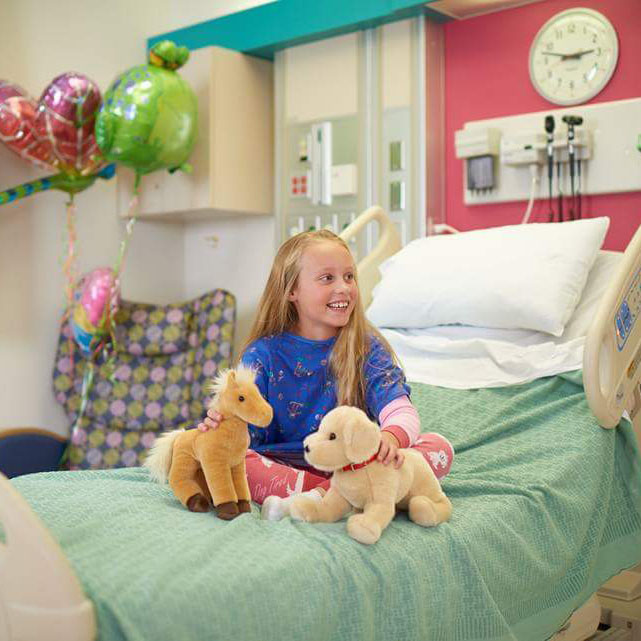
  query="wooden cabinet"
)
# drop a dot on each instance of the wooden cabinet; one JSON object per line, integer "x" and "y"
{"x": 233, "y": 158}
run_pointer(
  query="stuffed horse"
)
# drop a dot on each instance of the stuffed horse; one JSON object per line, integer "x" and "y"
{"x": 206, "y": 467}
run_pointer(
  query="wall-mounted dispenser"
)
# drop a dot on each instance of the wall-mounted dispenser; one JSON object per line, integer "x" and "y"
{"x": 479, "y": 148}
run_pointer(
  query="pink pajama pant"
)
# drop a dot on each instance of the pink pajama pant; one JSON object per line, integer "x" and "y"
{"x": 266, "y": 477}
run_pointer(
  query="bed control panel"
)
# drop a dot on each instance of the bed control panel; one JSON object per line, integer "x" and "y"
{"x": 628, "y": 312}
{"x": 612, "y": 375}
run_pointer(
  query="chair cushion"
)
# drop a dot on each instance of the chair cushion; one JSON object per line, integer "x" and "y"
{"x": 29, "y": 450}
{"x": 153, "y": 381}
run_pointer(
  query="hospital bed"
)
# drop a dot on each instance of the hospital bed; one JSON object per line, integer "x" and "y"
{"x": 546, "y": 509}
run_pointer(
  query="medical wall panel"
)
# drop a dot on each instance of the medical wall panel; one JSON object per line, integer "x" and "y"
{"x": 350, "y": 116}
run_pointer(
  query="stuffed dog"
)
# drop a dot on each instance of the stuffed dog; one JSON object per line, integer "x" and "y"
{"x": 347, "y": 444}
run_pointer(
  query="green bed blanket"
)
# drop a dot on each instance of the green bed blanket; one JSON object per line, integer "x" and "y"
{"x": 547, "y": 506}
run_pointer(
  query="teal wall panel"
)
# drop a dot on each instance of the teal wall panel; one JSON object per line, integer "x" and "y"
{"x": 263, "y": 30}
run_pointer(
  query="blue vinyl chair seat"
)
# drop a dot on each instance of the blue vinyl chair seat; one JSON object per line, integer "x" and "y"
{"x": 26, "y": 451}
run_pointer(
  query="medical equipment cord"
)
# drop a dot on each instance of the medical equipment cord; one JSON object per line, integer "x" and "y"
{"x": 534, "y": 170}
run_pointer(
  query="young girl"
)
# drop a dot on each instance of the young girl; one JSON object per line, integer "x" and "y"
{"x": 313, "y": 349}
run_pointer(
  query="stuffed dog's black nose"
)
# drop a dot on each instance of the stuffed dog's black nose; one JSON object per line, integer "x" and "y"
{"x": 307, "y": 448}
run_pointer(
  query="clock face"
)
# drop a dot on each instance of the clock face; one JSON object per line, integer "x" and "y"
{"x": 573, "y": 56}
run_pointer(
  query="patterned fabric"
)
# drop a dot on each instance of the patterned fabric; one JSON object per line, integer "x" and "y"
{"x": 437, "y": 451}
{"x": 293, "y": 375}
{"x": 154, "y": 382}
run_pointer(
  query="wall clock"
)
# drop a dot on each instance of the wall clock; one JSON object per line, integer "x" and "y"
{"x": 573, "y": 56}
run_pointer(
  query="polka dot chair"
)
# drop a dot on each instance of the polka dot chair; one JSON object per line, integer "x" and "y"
{"x": 155, "y": 380}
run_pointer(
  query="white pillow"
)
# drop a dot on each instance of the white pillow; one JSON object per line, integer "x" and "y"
{"x": 602, "y": 274}
{"x": 515, "y": 277}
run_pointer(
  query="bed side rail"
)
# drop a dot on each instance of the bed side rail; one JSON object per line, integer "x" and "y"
{"x": 40, "y": 597}
{"x": 389, "y": 242}
{"x": 612, "y": 354}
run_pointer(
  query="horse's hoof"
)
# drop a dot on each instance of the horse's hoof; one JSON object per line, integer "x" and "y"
{"x": 244, "y": 506}
{"x": 198, "y": 503}
{"x": 227, "y": 511}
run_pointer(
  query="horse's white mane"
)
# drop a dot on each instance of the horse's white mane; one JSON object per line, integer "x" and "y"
{"x": 244, "y": 376}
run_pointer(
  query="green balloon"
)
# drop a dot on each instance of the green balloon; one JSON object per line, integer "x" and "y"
{"x": 149, "y": 114}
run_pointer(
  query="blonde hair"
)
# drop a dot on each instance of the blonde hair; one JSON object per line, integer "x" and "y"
{"x": 277, "y": 314}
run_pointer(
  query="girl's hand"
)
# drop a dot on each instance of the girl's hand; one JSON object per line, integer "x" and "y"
{"x": 211, "y": 421}
{"x": 389, "y": 450}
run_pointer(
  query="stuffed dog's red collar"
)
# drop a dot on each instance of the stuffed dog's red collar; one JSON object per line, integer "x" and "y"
{"x": 357, "y": 466}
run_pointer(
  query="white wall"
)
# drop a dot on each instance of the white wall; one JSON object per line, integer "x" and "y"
{"x": 39, "y": 41}
{"x": 238, "y": 260}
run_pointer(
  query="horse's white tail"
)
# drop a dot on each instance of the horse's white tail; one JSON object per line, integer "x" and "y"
{"x": 159, "y": 458}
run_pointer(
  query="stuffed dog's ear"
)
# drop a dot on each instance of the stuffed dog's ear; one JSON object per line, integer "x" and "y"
{"x": 362, "y": 438}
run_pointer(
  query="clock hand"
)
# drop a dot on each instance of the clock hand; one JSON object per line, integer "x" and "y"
{"x": 577, "y": 55}
{"x": 567, "y": 56}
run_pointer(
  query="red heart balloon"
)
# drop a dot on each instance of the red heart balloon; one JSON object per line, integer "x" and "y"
{"x": 17, "y": 126}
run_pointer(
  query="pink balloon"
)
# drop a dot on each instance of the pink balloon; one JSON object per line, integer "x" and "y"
{"x": 66, "y": 118}
{"x": 101, "y": 289}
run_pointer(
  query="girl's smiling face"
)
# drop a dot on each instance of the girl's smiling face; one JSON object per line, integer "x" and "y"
{"x": 325, "y": 291}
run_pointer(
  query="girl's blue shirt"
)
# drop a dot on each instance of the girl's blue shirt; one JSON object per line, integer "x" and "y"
{"x": 293, "y": 375}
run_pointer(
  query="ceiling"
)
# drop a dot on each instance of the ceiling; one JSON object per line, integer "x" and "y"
{"x": 461, "y": 9}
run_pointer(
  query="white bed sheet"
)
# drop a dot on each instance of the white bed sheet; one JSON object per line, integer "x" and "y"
{"x": 464, "y": 357}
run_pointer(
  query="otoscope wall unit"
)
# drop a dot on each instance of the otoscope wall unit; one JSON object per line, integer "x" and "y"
{"x": 529, "y": 148}
{"x": 600, "y": 139}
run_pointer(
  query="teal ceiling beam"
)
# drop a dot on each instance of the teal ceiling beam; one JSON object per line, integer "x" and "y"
{"x": 267, "y": 28}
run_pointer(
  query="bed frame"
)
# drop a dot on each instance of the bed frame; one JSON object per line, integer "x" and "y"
{"x": 41, "y": 599}
{"x": 612, "y": 376}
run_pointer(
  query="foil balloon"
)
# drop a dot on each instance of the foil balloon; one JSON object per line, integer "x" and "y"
{"x": 97, "y": 300}
{"x": 17, "y": 126}
{"x": 57, "y": 133}
{"x": 92, "y": 324}
{"x": 66, "y": 118}
{"x": 149, "y": 115}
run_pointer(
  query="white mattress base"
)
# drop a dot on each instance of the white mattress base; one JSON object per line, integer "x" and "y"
{"x": 582, "y": 624}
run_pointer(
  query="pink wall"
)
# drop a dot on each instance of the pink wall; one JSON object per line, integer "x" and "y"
{"x": 486, "y": 76}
